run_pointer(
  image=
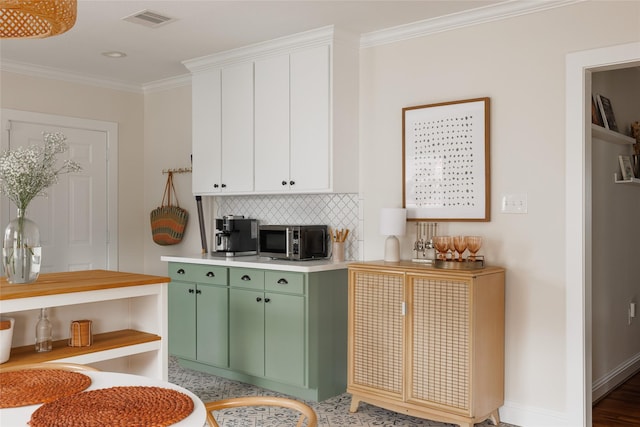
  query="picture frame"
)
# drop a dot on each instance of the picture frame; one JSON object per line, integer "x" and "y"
{"x": 446, "y": 161}
{"x": 606, "y": 109}
{"x": 625, "y": 167}
{"x": 596, "y": 114}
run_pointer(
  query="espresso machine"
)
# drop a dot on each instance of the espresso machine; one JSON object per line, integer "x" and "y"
{"x": 235, "y": 235}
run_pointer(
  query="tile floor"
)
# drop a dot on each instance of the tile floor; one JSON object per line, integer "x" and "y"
{"x": 332, "y": 412}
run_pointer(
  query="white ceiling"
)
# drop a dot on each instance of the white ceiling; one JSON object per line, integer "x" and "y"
{"x": 202, "y": 27}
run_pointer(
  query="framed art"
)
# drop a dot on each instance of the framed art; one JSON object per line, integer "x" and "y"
{"x": 606, "y": 109}
{"x": 446, "y": 168}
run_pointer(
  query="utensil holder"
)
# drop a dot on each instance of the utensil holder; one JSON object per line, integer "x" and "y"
{"x": 338, "y": 252}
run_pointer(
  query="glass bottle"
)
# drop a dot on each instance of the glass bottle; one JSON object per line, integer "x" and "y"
{"x": 21, "y": 250}
{"x": 44, "y": 340}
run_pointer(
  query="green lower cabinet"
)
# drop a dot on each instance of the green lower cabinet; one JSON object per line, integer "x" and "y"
{"x": 284, "y": 330}
{"x": 267, "y": 333}
{"x": 199, "y": 314}
{"x": 280, "y": 330}
{"x": 212, "y": 324}
{"x": 182, "y": 320}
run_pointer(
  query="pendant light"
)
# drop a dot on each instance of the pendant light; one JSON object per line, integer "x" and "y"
{"x": 36, "y": 18}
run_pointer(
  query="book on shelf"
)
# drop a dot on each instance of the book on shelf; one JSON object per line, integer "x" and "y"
{"x": 596, "y": 114}
{"x": 606, "y": 109}
{"x": 625, "y": 167}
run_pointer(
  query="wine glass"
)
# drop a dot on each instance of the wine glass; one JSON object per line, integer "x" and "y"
{"x": 473, "y": 244}
{"x": 460, "y": 244}
{"x": 442, "y": 245}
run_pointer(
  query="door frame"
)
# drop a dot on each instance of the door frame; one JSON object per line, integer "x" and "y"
{"x": 111, "y": 131}
{"x": 579, "y": 66}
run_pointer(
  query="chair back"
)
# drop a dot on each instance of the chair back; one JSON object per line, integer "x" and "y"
{"x": 66, "y": 366}
{"x": 306, "y": 412}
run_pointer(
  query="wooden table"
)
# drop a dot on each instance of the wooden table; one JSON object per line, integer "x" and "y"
{"x": 20, "y": 416}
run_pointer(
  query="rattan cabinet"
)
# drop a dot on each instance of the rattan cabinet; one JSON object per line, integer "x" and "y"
{"x": 427, "y": 342}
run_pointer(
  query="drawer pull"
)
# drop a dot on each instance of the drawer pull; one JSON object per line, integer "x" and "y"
{"x": 267, "y": 300}
{"x": 258, "y": 299}
{"x": 181, "y": 271}
{"x": 210, "y": 274}
{"x": 246, "y": 278}
{"x": 283, "y": 282}
{"x": 191, "y": 291}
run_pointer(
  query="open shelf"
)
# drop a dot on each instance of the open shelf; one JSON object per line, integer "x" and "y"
{"x": 635, "y": 181}
{"x": 101, "y": 342}
{"x": 610, "y": 136}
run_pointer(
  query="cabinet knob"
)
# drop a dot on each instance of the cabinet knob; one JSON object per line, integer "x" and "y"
{"x": 198, "y": 291}
{"x": 283, "y": 281}
{"x": 215, "y": 186}
{"x": 181, "y": 271}
{"x": 223, "y": 185}
{"x": 246, "y": 278}
{"x": 284, "y": 182}
{"x": 292, "y": 183}
{"x": 258, "y": 299}
{"x": 210, "y": 274}
{"x": 191, "y": 291}
{"x": 267, "y": 299}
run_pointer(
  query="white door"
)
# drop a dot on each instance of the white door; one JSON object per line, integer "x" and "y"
{"x": 74, "y": 217}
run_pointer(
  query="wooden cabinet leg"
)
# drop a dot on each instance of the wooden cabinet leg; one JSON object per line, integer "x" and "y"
{"x": 495, "y": 417}
{"x": 354, "y": 404}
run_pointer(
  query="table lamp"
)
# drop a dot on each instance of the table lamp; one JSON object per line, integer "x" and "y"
{"x": 393, "y": 222}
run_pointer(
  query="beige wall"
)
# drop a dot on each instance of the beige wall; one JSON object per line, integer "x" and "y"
{"x": 88, "y": 102}
{"x": 518, "y": 62}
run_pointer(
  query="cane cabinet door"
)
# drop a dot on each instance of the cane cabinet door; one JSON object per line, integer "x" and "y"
{"x": 376, "y": 330}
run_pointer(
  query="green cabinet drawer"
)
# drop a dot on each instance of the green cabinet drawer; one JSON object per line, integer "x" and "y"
{"x": 249, "y": 278}
{"x": 209, "y": 274}
{"x": 282, "y": 281}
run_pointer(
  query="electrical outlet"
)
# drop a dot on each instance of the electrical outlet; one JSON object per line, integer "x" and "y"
{"x": 514, "y": 203}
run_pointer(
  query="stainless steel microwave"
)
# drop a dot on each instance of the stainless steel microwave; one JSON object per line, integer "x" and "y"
{"x": 294, "y": 242}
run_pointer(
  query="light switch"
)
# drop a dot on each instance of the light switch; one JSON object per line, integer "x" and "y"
{"x": 514, "y": 203}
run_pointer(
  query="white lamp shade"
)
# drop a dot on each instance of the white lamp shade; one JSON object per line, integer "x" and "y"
{"x": 393, "y": 221}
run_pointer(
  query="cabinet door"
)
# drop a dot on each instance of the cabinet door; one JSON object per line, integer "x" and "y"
{"x": 440, "y": 344}
{"x": 272, "y": 124}
{"x": 206, "y": 128}
{"x": 237, "y": 128}
{"x": 182, "y": 321}
{"x": 376, "y": 332}
{"x": 246, "y": 331}
{"x": 212, "y": 324}
{"x": 285, "y": 338}
{"x": 310, "y": 124}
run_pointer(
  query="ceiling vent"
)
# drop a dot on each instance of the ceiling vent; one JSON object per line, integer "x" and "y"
{"x": 149, "y": 18}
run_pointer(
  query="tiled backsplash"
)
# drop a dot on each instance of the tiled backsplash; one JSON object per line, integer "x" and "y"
{"x": 334, "y": 210}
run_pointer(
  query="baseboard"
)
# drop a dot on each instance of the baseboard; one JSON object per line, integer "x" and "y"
{"x": 526, "y": 416}
{"x": 604, "y": 385}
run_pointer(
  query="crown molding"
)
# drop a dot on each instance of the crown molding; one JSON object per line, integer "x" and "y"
{"x": 67, "y": 76}
{"x": 481, "y": 15}
{"x": 454, "y": 21}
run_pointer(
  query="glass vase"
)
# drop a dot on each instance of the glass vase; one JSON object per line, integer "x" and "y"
{"x": 21, "y": 250}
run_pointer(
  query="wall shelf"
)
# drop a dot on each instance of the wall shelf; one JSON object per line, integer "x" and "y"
{"x": 610, "y": 136}
{"x": 635, "y": 181}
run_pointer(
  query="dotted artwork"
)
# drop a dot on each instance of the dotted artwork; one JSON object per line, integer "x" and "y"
{"x": 445, "y": 161}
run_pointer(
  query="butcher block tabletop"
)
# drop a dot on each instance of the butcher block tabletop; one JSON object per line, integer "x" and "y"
{"x": 76, "y": 281}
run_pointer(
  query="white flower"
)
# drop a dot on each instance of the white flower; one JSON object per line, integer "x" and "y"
{"x": 27, "y": 171}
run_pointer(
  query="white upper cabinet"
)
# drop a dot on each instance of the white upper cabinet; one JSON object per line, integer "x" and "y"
{"x": 292, "y": 129}
{"x": 222, "y": 127}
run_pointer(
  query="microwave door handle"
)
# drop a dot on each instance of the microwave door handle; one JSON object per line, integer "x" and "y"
{"x": 288, "y": 242}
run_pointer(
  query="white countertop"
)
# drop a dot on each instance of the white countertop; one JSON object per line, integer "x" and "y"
{"x": 263, "y": 263}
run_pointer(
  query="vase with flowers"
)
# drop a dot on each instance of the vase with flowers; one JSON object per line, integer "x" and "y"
{"x": 26, "y": 172}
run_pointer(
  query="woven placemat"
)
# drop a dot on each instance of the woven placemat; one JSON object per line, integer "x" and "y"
{"x": 33, "y": 386}
{"x": 116, "y": 406}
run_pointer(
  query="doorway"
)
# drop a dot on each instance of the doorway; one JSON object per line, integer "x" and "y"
{"x": 578, "y": 242}
{"x": 77, "y": 218}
